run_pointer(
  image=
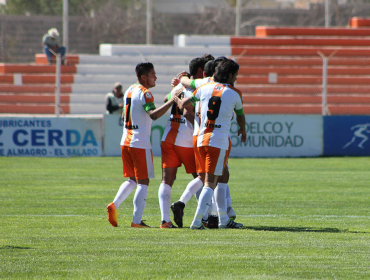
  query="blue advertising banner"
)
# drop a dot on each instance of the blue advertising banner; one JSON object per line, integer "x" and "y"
{"x": 50, "y": 137}
{"x": 347, "y": 136}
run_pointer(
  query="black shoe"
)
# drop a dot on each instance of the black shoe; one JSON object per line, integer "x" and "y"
{"x": 178, "y": 212}
{"x": 231, "y": 224}
{"x": 212, "y": 222}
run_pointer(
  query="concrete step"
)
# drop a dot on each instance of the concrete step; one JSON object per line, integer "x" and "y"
{"x": 301, "y": 61}
{"x": 299, "y": 51}
{"x": 301, "y": 70}
{"x": 305, "y": 99}
{"x": 133, "y": 60}
{"x": 125, "y": 79}
{"x": 105, "y": 69}
{"x": 144, "y": 50}
{"x": 311, "y": 109}
{"x": 264, "y": 31}
{"x": 104, "y": 88}
{"x": 302, "y": 89}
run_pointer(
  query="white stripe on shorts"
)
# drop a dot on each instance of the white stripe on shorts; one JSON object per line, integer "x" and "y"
{"x": 220, "y": 162}
{"x": 149, "y": 163}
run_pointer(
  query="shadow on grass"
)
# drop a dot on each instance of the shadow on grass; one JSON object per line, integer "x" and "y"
{"x": 301, "y": 229}
{"x": 14, "y": 247}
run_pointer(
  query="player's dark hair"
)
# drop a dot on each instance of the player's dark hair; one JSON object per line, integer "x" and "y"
{"x": 195, "y": 64}
{"x": 143, "y": 69}
{"x": 208, "y": 57}
{"x": 209, "y": 69}
{"x": 220, "y": 59}
{"x": 224, "y": 69}
{"x": 210, "y": 66}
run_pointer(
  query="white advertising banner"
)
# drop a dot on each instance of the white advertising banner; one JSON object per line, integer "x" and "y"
{"x": 279, "y": 136}
{"x": 113, "y": 128}
{"x": 50, "y": 136}
{"x": 267, "y": 136}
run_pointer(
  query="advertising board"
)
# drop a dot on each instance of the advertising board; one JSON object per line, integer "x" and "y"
{"x": 347, "y": 135}
{"x": 50, "y": 136}
{"x": 267, "y": 136}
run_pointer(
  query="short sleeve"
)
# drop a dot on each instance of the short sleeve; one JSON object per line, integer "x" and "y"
{"x": 199, "y": 82}
{"x": 147, "y": 100}
{"x": 193, "y": 84}
{"x": 239, "y": 105}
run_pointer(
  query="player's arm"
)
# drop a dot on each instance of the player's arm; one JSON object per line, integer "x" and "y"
{"x": 183, "y": 103}
{"x": 240, "y": 119}
{"x": 186, "y": 81}
{"x": 189, "y": 114}
{"x": 155, "y": 113}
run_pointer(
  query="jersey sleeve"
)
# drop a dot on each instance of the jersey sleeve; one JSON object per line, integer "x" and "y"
{"x": 200, "y": 82}
{"x": 239, "y": 105}
{"x": 147, "y": 100}
{"x": 195, "y": 96}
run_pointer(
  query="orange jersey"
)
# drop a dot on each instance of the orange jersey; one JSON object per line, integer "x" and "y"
{"x": 195, "y": 84}
{"x": 218, "y": 103}
{"x": 178, "y": 130}
{"x": 137, "y": 124}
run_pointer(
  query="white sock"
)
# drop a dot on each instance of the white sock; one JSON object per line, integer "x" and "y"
{"x": 164, "y": 197}
{"x": 139, "y": 203}
{"x": 191, "y": 189}
{"x": 221, "y": 201}
{"x": 124, "y": 191}
{"x": 228, "y": 197}
{"x": 197, "y": 194}
{"x": 213, "y": 209}
{"x": 204, "y": 202}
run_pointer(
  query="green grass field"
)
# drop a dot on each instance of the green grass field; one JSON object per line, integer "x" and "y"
{"x": 305, "y": 218}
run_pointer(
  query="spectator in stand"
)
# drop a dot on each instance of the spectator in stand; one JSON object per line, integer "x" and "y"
{"x": 50, "y": 43}
{"x": 114, "y": 100}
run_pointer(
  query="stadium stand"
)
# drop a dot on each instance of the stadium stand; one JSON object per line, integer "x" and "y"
{"x": 280, "y": 72}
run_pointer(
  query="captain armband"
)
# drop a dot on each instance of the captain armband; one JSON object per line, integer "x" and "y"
{"x": 239, "y": 112}
{"x": 149, "y": 106}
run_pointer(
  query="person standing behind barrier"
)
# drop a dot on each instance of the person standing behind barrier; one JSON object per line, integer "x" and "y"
{"x": 50, "y": 42}
{"x": 136, "y": 150}
{"x": 114, "y": 100}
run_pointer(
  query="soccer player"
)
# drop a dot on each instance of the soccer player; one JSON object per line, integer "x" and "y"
{"x": 218, "y": 102}
{"x": 177, "y": 145}
{"x": 137, "y": 158}
{"x": 194, "y": 187}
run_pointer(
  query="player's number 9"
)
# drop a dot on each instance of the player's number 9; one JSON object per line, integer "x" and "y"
{"x": 213, "y": 108}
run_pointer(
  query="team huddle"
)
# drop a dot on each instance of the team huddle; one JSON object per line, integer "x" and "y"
{"x": 203, "y": 103}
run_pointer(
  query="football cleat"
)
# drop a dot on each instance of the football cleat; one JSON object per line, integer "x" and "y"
{"x": 167, "y": 225}
{"x": 197, "y": 227}
{"x": 112, "y": 214}
{"x": 205, "y": 222}
{"x": 231, "y": 213}
{"x": 212, "y": 222}
{"x": 141, "y": 225}
{"x": 178, "y": 212}
{"x": 231, "y": 224}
